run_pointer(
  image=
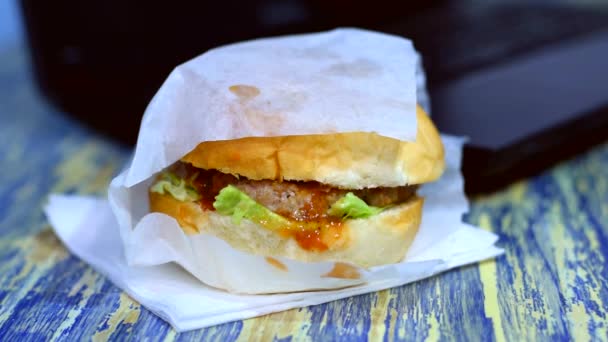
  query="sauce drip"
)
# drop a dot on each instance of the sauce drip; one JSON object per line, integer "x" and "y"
{"x": 315, "y": 235}
{"x": 310, "y": 240}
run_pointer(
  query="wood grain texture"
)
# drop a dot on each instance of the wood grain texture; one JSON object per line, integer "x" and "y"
{"x": 551, "y": 284}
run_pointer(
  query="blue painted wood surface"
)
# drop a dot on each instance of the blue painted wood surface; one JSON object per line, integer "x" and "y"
{"x": 550, "y": 285}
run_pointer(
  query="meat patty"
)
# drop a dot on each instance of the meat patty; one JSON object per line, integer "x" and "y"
{"x": 302, "y": 201}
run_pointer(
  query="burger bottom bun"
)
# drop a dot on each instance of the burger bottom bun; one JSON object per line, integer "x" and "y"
{"x": 379, "y": 240}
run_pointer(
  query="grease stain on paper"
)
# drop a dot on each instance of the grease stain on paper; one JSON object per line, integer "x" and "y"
{"x": 343, "y": 271}
{"x": 277, "y": 264}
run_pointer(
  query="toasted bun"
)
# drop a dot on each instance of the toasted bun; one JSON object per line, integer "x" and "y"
{"x": 346, "y": 160}
{"x": 381, "y": 239}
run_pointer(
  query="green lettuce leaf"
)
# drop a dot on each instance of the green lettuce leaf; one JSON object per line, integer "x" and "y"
{"x": 178, "y": 188}
{"x": 351, "y": 206}
{"x": 233, "y": 202}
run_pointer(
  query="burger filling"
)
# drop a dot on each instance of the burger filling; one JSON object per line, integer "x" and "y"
{"x": 310, "y": 208}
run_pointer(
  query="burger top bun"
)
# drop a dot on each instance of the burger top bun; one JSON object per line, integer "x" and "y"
{"x": 345, "y": 160}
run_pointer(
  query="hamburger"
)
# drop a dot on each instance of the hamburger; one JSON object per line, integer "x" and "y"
{"x": 343, "y": 197}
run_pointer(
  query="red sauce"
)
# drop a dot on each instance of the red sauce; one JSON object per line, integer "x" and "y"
{"x": 206, "y": 204}
{"x": 208, "y": 183}
{"x": 316, "y": 208}
{"x": 313, "y": 213}
{"x": 310, "y": 226}
{"x": 310, "y": 240}
{"x": 315, "y": 235}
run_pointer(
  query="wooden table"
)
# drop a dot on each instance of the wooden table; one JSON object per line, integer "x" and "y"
{"x": 550, "y": 285}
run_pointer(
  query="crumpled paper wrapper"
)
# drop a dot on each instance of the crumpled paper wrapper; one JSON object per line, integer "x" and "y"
{"x": 346, "y": 80}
